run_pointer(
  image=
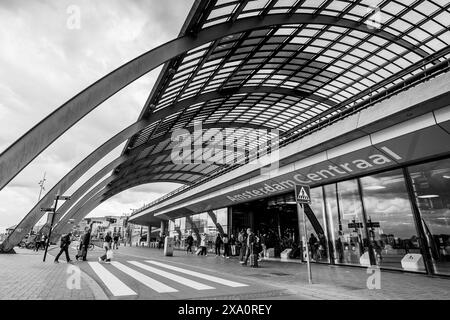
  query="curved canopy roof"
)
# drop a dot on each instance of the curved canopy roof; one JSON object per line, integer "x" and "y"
{"x": 295, "y": 78}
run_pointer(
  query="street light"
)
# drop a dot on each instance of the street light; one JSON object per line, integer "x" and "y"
{"x": 53, "y": 210}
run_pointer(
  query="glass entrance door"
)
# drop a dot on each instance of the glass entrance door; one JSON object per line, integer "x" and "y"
{"x": 431, "y": 183}
{"x": 346, "y": 225}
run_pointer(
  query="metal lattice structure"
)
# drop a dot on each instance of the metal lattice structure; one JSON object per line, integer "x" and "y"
{"x": 247, "y": 66}
{"x": 292, "y": 77}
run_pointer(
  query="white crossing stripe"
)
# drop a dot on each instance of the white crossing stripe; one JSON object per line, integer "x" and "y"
{"x": 149, "y": 282}
{"x": 200, "y": 275}
{"x": 174, "y": 277}
{"x": 117, "y": 287}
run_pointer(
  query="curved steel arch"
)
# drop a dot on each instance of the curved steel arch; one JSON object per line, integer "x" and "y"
{"x": 205, "y": 126}
{"x": 66, "y": 182}
{"x": 142, "y": 173}
{"x": 91, "y": 204}
{"x": 18, "y": 155}
{"x": 155, "y": 141}
{"x": 64, "y": 219}
{"x": 87, "y": 207}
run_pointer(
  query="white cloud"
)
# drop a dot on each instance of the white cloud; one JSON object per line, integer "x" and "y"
{"x": 43, "y": 64}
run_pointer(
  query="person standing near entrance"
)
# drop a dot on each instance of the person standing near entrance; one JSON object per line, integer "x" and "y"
{"x": 116, "y": 241}
{"x": 242, "y": 245}
{"x": 84, "y": 246}
{"x": 203, "y": 244}
{"x": 189, "y": 242}
{"x": 250, "y": 243}
{"x": 313, "y": 246}
{"x": 226, "y": 246}
{"x": 65, "y": 242}
{"x": 218, "y": 243}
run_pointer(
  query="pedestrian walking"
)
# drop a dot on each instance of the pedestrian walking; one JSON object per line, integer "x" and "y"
{"x": 203, "y": 245}
{"x": 84, "y": 245}
{"x": 250, "y": 249}
{"x": 313, "y": 246}
{"x": 44, "y": 241}
{"x": 189, "y": 242}
{"x": 37, "y": 242}
{"x": 218, "y": 243}
{"x": 65, "y": 242}
{"x": 108, "y": 248}
{"x": 161, "y": 241}
{"x": 116, "y": 241}
{"x": 264, "y": 246}
{"x": 242, "y": 238}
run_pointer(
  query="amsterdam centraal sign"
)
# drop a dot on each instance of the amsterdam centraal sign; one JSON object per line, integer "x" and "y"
{"x": 334, "y": 169}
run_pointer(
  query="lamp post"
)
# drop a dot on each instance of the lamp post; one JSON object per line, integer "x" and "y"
{"x": 53, "y": 210}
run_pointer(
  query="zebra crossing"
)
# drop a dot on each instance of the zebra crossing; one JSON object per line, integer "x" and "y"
{"x": 115, "y": 275}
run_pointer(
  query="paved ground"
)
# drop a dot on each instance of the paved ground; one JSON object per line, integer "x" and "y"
{"x": 24, "y": 276}
{"x": 143, "y": 273}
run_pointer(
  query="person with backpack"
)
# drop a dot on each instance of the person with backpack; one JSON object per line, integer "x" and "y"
{"x": 84, "y": 245}
{"x": 218, "y": 244}
{"x": 226, "y": 246}
{"x": 65, "y": 242}
{"x": 189, "y": 242}
{"x": 37, "y": 242}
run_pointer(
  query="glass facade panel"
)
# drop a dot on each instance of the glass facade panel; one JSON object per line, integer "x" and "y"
{"x": 431, "y": 183}
{"x": 346, "y": 222}
{"x": 346, "y": 218}
{"x": 317, "y": 229}
{"x": 390, "y": 218}
{"x": 198, "y": 224}
{"x": 334, "y": 223}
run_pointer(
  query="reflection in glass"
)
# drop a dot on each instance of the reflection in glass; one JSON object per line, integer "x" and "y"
{"x": 431, "y": 183}
{"x": 334, "y": 222}
{"x": 346, "y": 222}
{"x": 389, "y": 218}
{"x": 197, "y": 224}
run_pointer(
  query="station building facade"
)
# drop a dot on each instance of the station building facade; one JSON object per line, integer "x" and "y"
{"x": 376, "y": 198}
{"x": 386, "y": 213}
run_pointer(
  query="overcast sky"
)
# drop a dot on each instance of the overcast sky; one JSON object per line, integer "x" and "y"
{"x": 45, "y": 60}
